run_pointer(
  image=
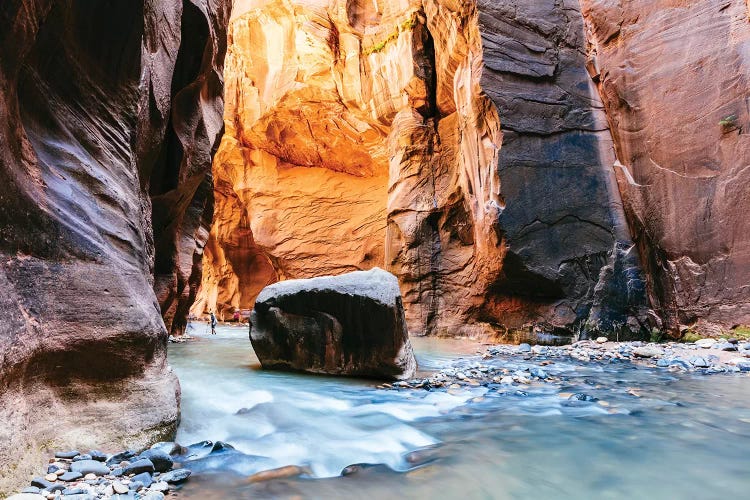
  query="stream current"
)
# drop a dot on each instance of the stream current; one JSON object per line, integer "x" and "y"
{"x": 651, "y": 434}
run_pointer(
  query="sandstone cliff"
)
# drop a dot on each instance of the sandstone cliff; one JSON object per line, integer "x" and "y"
{"x": 674, "y": 78}
{"x": 87, "y": 96}
{"x": 360, "y": 133}
{"x": 357, "y": 135}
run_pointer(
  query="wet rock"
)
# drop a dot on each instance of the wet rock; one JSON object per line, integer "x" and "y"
{"x": 74, "y": 491}
{"x": 160, "y": 459}
{"x": 71, "y": 476}
{"x": 170, "y": 448}
{"x": 726, "y": 346}
{"x": 352, "y": 324}
{"x": 90, "y": 467}
{"x": 27, "y": 496}
{"x": 175, "y": 476}
{"x": 143, "y": 478}
{"x": 31, "y": 489}
{"x": 647, "y": 351}
{"x": 98, "y": 455}
{"x": 699, "y": 362}
{"x": 279, "y": 473}
{"x": 152, "y": 495}
{"x": 161, "y": 486}
{"x": 120, "y": 488}
{"x": 69, "y": 455}
{"x": 42, "y": 483}
{"x": 524, "y": 348}
{"x": 119, "y": 457}
{"x": 705, "y": 343}
{"x": 142, "y": 465}
{"x": 83, "y": 456}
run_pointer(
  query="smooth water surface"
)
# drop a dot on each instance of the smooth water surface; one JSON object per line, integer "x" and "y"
{"x": 652, "y": 434}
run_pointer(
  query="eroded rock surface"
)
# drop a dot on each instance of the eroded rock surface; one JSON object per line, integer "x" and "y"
{"x": 86, "y": 94}
{"x": 570, "y": 261}
{"x": 357, "y": 136}
{"x": 352, "y": 324}
{"x": 674, "y": 80}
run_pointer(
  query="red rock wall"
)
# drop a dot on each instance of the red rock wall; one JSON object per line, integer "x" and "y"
{"x": 84, "y": 107}
{"x": 673, "y": 76}
{"x": 357, "y": 135}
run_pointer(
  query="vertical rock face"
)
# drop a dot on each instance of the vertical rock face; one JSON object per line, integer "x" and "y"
{"x": 570, "y": 260}
{"x": 674, "y": 80}
{"x": 85, "y": 101}
{"x": 357, "y": 135}
{"x": 180, "y": 117}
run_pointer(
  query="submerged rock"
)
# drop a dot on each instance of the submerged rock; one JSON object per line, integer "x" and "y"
{"x": 352, "y": 324}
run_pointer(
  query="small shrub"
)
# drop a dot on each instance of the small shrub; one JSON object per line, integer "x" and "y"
{"x": 728, "y": 123}
{"x": 690, "y": 336}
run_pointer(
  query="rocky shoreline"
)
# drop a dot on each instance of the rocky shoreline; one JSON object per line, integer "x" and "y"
{"x": 706, "y": 356}
{"x": 128, "y": 475}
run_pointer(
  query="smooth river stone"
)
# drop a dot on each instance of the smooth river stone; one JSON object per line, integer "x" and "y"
{"x": 90, "y": 467}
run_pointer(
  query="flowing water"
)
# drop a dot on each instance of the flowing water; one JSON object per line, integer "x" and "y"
{"x": 652, "y": 434}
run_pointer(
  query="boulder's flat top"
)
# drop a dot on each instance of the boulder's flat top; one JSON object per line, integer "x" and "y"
{"x": 375, "y": 284}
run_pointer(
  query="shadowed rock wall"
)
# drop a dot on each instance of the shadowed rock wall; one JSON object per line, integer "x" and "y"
{"x": 570, "y": 262}
{"x": 85, "y": 100}
{"x": 673, "y": 76}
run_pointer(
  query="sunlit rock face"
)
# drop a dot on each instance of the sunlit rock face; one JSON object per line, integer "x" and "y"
{"x": 674, "y": 80}
{"x": 97, "y": 118}
{"x": 357, "y": 135}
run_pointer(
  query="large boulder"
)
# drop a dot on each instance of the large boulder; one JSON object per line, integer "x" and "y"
{"x": 352, "y": 324}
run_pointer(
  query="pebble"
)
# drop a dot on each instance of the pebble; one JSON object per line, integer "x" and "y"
{"x": 699, "y": 362}
{"x": 90, "y": 477}
{"x": 175, "y": 476}
{"x": 90, "y": 466}
{"x": 69, "y": 455}
{"x": 142, "y": 465}
{"x": 118, "y": 487}
{"x": 71, "y": 476}
{"x": 705, "y": 343}
{"x": 51, "y": 477}
{"x": 524, "y": 348}
{"x": 647, "y": 351}
{"x": 602, "y": 340}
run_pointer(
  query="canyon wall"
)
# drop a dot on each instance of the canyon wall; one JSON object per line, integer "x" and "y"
{"x": 674, "y": 78}
{"x": 363, "y": 133}
{"x": 357, "y": 135}
{"x": 570, "y": 260}
{"x": 92, "y": 123}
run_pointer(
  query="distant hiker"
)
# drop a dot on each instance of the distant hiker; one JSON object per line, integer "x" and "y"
{"x": 236, "y": 316}
{"x": 213, "y": 323}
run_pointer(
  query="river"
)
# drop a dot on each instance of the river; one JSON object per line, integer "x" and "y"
{"x": 652, "y": 434}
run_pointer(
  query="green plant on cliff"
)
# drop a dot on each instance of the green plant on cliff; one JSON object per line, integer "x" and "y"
{"x": 728, "y": 123}
{"x": 407, "y": 25}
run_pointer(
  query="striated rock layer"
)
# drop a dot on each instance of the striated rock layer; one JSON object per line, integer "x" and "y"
{"x": 570, "y": 261}
{"x": 357, "y": 135}
{"x": 674, "y": 78}
{"x": 87, "y": 96}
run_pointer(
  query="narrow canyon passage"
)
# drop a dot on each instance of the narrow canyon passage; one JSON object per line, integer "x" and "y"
{"x": 357, "y": 135}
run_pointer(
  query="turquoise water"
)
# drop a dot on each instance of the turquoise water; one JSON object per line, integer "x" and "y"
{"x": 652, "y": 434}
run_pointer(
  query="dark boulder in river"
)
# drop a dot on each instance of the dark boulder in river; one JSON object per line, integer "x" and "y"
{"x": 352, "y": 324}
